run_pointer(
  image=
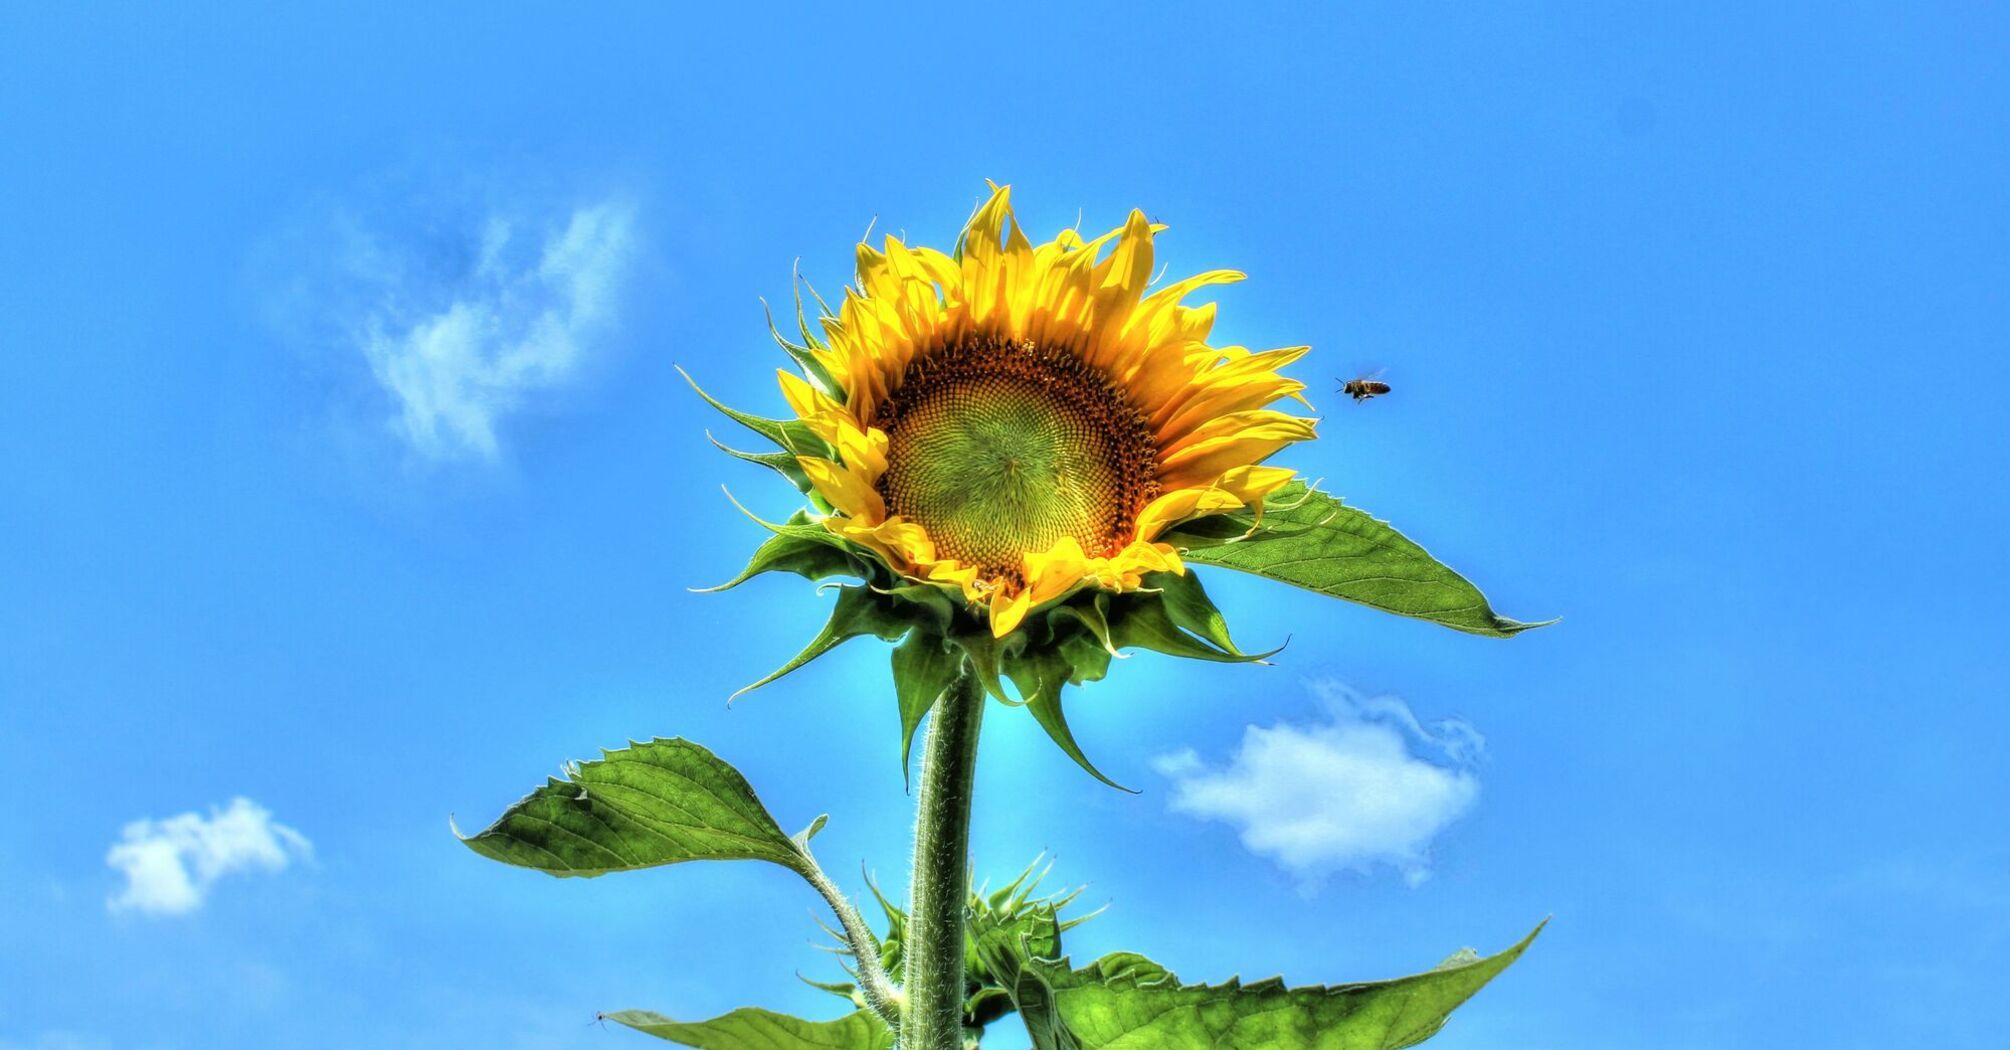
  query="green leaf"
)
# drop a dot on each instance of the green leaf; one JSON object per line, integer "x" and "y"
{"x": 859, "y": 611}
{"x": 809, "y": 556}
{"x": 923, "y": 667}
{"x": 1336, "y": 550}
{"x": 751, "y": 1028}
{"x": 1218, "y": 529}
{"x": 842, "y": 989}
{"x": 1127, "y": 1002}
{"x": 1040, "y": 675}
{"x": 663, "y": 802}
{"x": 893, "y": 944}
{"x": 802, "y": 838}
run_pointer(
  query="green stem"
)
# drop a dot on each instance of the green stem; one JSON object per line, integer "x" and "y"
{"x": 933, "y": 981}
{"x": 878, "y": 992}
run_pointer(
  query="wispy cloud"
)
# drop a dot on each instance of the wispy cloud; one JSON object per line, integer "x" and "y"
{"x": 1365, "y": 786}
{"x": 463, "y": 334}
{"x": 170, "y": 864}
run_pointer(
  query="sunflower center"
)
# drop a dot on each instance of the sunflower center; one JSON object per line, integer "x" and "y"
{"x": 1001, "y": 448}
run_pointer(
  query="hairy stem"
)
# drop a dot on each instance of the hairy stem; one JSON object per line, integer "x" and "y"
{"x": 933, "y": 981}
{"x": 873, "y": 985}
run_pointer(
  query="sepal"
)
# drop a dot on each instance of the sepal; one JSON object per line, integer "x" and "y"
{"x": 780, "y": 462}
{"x": 801, "y": 547}
{"x": 791, "y": 435}
{"x": 1190, "y": 609}
{"x": 859, "y": 611}
{"x": 1073, "y": 641}
{"x": 988, "y": 654}
{"x": 924, "y": 667}
{"x": 804, "y": 354}
{"x": 1040, "y": 674}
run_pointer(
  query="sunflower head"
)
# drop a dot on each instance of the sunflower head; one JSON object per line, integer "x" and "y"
{"x": 1017, "y": 422}
{"x": 1001, "y": 440}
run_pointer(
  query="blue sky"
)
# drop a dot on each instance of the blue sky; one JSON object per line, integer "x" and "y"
{"x": 347, "y": 473}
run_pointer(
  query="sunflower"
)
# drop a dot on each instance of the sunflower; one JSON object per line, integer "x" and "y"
{"x": 1017, "y": 423}
{"x": 1016, "y": 449}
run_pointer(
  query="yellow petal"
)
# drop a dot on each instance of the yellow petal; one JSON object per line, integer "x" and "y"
{"x": 1007, "y": 611}
{"x": 846, "y": 492}
{"x": 1250, "y": 484}
{"x": 1052, "y": 572}
{"x": 1180, "y": 504}
{"x": 1205, "y": 407}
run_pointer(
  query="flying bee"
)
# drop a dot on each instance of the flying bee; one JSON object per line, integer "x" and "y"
{"x": 1364, "y": 387}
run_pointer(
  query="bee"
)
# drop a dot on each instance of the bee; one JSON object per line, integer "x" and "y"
{"x": 1364, "y": 387}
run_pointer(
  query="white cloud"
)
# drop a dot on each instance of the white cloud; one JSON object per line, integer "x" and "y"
{"x": 170, "y": 864}
{"x": 462, "y": 333}
{"x": 1365, "y": 786}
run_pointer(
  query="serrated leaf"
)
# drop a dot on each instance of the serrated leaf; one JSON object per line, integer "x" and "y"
{"x": 1127, "y": 1002}
{"x": 1324, "y": 546}
{"x": 811, "y": 557}
{"x": 858, "y": 612}
{"x": 1131, "y": 966}
{"x": 663, "y": 802}
{"x": 751, "y": 1028}
{"x": 923, "y": 667}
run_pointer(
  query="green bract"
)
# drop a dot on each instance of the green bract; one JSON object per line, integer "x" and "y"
{"x": 1302, "y": 536}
